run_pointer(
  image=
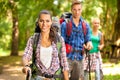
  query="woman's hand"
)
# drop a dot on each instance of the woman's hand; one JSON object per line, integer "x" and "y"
{"x": 65, "y": 73}
{"x": 26, "y": 69}
{"x": 100, "y": 47}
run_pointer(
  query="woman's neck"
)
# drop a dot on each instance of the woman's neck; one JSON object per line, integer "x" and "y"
{"x": 95, "y": 31}
{"x": 45, "y": 35}
{"x": 45, "y": 40}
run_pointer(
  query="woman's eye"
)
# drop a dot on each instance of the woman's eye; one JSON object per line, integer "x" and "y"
{"x": 47, "y": 21}
{"x": 44, "y": 21}
{"x": 40, "y": 20}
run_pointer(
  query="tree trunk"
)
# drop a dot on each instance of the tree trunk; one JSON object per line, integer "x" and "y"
{"x": 116, "y": 35}
{"x": 15, "y": 30}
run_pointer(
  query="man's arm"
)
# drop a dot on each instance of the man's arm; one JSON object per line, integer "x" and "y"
{"x": 88, "y": 42}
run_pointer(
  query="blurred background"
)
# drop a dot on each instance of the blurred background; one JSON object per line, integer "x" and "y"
{"x": 17, "y": 24}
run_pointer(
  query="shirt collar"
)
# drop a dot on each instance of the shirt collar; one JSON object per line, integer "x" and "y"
{"x": 71, "y": 18}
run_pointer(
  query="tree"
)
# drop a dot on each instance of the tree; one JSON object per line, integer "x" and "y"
{"x": 10, "y": 7}
{"x": 116, "y": 35}
{"x": 15, "y": 30}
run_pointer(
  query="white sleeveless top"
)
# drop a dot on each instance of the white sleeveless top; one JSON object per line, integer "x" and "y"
{"x": 46, "y": 56}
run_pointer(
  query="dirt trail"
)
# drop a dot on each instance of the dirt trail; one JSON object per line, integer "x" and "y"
{"x": 15, "y": 73}
{"x": 12, "y": 73}
{"x": 108, "y": 69}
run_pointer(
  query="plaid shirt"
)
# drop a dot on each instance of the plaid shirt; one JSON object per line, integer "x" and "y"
{"x": 76, "y": 39}
{"x": 55, "y": 64}
{"x": 93, "y": 61}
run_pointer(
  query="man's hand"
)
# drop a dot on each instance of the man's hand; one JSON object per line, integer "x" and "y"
{"x": 88, "y": 45}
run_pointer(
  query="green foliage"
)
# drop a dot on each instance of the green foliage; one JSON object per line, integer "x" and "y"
{"x": 5, "y": 37}
{"x": 4, "y": 52}
{"x": 28, "y": 11}
{"x": 112, "y": 77}
{"x": 108, "y": 17}
{"x": 3, "y": 8}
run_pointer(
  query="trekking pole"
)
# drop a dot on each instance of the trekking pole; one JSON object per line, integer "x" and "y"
{"x": 28, "y": 77}
{"x": 89, "y": 64}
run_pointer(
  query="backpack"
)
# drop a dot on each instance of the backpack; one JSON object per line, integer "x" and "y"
{"x": 56, "y": 24}
{"x": 33, "y": 67}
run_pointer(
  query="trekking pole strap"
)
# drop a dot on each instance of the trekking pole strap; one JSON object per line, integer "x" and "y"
{"x": 28, "y": 77}
{"x": 87, "y": 52}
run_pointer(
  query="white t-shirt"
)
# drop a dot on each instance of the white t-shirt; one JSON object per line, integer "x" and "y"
{"x": 46, "y": 56}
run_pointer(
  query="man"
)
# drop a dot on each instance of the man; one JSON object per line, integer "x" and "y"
{"x": 77, "y": 40}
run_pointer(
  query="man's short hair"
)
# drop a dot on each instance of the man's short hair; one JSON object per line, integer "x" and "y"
{"x": 76, "y": 2}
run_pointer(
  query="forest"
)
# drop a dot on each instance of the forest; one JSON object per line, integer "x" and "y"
{"x": 17, "y": 24}
{"x": 17, "y": 20}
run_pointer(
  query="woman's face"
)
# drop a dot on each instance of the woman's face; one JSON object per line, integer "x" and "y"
{"x": 45, "y": 22}
{"x": 96, "y": 23}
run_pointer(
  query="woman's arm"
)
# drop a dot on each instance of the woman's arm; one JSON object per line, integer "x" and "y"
{"x": 64, "y": 61}
{"x": 27, "y": 56}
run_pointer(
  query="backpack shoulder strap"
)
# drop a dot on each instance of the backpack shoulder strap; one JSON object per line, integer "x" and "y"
{"x": 59, "y": 43}
{"x": 35, "y": 43}
{"x": 68, "y": 27}
{"x": 35, "y": 38}
{"x": 59, "y": 46}
{"x": 84, "y": 27}
{"x": 99, "y": 34}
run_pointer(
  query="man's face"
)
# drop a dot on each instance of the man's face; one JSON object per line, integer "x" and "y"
{"x": 76, "y": 10}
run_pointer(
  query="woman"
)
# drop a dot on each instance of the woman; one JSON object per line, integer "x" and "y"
{"x": 95, "y": 56}
{"x": 47, "y": 60}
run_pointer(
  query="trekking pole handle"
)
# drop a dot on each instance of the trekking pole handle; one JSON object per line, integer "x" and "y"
{"x": 28, "y": 77}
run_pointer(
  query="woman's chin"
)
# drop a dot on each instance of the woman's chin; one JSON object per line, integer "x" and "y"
{"x": 45, "y": 31}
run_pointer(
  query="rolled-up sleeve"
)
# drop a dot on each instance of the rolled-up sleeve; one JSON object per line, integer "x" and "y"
{"x": 28, "y": 50}
{"x": 64, "y": 61}
{"x": 88, "y": 29}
